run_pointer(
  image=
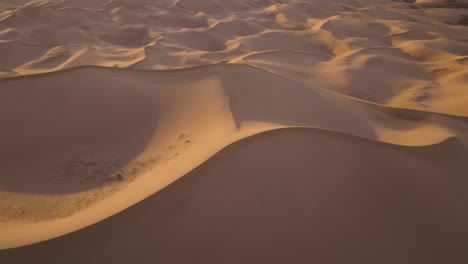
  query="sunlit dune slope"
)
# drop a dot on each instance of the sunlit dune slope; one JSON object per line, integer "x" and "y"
{"x": 124, "y": 134}
{"x": 216, "y": 131}
{"x": 410, "y": 54}
{"x": 300, "y": 195}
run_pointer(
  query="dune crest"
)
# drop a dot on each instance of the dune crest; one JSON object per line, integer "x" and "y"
{"x": 333, "y": 125}
{"x": 418, "y": 45}
{"x": 126, "y": 134}
{"x": 267, "y": 182}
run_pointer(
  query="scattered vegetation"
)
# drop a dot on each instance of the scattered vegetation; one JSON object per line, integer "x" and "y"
{"x": 119, "y": 176}
{"x": 98, "y": 177}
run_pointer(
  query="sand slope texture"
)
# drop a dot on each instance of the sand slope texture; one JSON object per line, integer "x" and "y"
{"x": 247, "y": 131}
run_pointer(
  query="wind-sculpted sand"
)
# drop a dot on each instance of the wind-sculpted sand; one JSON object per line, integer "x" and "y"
{"x": 215, "y": 131}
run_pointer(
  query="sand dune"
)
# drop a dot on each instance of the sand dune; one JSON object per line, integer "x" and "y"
{"x": 283, "y": 191}
{"x": 90, "y": 139}
{"x": 416, "y": 44}
{"x": 214, "y": 131}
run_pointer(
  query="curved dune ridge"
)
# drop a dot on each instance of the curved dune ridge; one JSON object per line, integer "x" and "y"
{"x": 214, "y": 131}
{"x": 263, "y": 194}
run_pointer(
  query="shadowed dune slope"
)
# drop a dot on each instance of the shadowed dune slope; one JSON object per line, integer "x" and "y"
{"x": 289, "y": 195}
{"x": 217, "y": 131}
{"x": 100, "y": 145}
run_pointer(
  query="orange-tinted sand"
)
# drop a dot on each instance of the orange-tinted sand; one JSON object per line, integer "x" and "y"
{"x": 216, "y": 131}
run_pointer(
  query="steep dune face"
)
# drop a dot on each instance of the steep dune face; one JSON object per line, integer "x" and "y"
{"x": 300, "y": 195}
{"x": 276, "y": 131}
{"x": 117, "y": 136}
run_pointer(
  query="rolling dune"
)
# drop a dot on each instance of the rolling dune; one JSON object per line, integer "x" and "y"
{"x": 309, "y": 193}
{"x": 214, "y": 131}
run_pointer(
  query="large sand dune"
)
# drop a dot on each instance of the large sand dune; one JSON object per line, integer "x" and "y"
{"x": 294, "y": 195}
{"x": 258, "y": 131}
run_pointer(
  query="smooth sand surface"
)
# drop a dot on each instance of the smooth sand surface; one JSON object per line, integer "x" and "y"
{"x": 215, "y": 131}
